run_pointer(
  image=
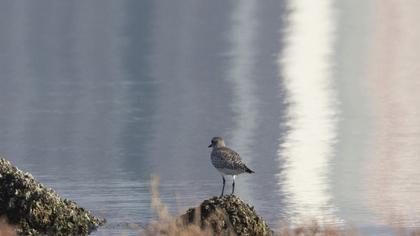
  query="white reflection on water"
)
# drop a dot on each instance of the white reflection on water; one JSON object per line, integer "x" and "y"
{"x": 240, "y": 74}
{"x": 308, "y": 146}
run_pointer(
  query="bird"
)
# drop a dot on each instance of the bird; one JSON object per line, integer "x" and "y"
{"x": 226, "y": 161}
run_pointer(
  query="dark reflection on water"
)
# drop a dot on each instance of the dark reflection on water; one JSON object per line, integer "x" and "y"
{"x": 139, "y": 88}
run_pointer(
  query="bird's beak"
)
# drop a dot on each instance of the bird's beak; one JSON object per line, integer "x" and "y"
{"x": 210, "y": 145}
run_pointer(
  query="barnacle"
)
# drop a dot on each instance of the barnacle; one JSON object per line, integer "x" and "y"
{"x": 227, "y": 215}
{"x": 37, "y": 210}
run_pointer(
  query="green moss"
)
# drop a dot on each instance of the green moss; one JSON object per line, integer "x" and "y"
{"x": 36, "y": 209}
{"x": 227, "y": 215}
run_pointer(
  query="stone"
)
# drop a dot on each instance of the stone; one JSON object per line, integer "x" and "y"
{"x": 35, "y": 209}
{"x": 227, "y": 215}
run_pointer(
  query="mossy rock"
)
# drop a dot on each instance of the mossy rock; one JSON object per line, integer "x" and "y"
{"x": 227, "y": 215}
{"x": 37, "y": 210}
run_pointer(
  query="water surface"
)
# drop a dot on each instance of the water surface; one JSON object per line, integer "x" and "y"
{"x": 318, "y": 98}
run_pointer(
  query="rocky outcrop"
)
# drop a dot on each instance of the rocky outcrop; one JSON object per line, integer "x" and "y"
{"x": 227, "y": 215}
{"x": 35, "y": 209}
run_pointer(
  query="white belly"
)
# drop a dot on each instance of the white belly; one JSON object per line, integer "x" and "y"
{"x": 230, "y": 171}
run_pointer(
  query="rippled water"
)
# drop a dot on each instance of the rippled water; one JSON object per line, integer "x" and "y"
{"x": 319, "y": 98}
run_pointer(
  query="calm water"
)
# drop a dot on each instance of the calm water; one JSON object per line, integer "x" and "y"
{"x": 321, "y": 100}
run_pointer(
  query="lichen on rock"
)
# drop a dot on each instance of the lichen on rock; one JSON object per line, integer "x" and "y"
{"x": 38, "y": 210}
{"x": 227, "y": 215}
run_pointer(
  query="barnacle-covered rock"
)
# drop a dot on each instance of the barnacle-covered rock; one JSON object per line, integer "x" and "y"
{"x": 227, "y": 215}
{"x": 36, "y": 210}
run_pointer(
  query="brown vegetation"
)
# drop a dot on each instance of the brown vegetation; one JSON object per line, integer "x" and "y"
{"x": 5, "y": 228}
{"x": 166, "y": 224}
{"x": 169, "y": 225}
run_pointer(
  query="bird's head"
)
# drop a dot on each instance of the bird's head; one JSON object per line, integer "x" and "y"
{"x": 217, "y": 142}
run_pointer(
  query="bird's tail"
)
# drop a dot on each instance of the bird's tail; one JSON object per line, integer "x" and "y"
{"x": 249, "y": 170}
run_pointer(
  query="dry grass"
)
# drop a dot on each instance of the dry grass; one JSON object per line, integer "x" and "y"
{"x": 166, "y": 224}
{"x": 169, "y": 225}
{"x": 314, "y": 229}
{"x": 5, "y": 228}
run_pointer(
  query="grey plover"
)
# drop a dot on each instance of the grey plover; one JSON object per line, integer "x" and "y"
{"x": 226, "y": 161}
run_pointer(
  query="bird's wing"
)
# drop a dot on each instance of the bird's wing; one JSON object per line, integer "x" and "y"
{"x": 231, "y": 159}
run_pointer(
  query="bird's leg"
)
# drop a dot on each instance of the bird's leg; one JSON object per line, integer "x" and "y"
{"x": 233, "y": 184}
{"x": 223, "y": 189}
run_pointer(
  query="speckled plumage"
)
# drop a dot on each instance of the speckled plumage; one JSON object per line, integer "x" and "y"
{"x": 227, "y": 161}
